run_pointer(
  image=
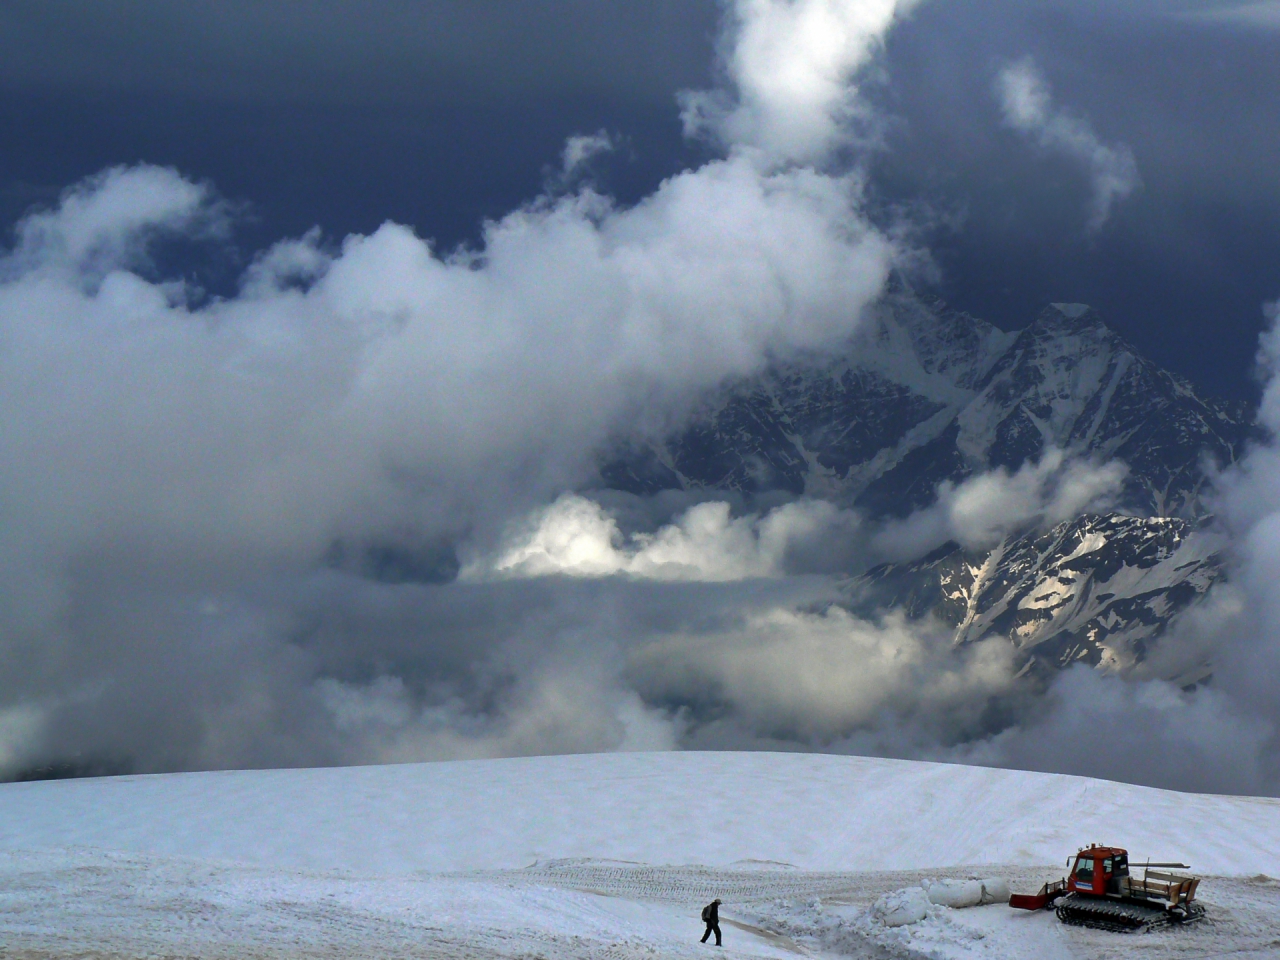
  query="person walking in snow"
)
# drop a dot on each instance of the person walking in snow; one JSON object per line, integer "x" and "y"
{"x": 711, "y": 917}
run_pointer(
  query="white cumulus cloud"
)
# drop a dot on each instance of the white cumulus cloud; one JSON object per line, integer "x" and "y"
{"x": 793, "y": 65}
{"x": 1029, "y": 108}
{"x": 820, "y": 676}
{"x": 581, "y": 148}
{"x": 1263, "y": 14}
{"x": 982, "y": 510}
{"x": 175, "y": 469}
{"x": 576, "y": 537}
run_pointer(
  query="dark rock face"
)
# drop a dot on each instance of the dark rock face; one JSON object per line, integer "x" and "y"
{"x": 826, "y": 426}
{"x": 912, "y": 483}
{"x": 744, "y": 446}
{"x": 637, "y": 469}
{"x": 766, "y": 439}
{"x": 1098, "y": 589}
{"x": 923, "y": 394}
{"x": 1069, "y": 381}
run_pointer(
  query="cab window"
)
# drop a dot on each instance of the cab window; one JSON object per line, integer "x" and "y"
{"x": 1084, "y": 870}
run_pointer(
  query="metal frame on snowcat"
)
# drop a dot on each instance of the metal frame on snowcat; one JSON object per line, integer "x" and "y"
{"x": 1099, "y": 892}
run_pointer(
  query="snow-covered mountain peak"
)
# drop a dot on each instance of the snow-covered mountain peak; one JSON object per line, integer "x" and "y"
{"x": 1071, "y": 310}
{"x": 1075, "y": 319}
{"x": 943, "y": 344}
{"x": 922, "y": 394}
{"x": 1036, "y": 393}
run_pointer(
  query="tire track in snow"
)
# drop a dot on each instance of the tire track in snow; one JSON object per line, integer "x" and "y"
{"x": 95, "y": 906}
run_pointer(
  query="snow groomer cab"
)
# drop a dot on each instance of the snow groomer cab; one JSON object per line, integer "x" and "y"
{"x": 1099, "y": 871}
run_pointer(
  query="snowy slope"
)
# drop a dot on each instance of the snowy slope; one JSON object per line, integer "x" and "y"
{"x": 815, "y": 812}
{"x": 562, "y": 858}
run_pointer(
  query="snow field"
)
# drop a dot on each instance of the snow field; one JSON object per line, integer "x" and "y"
{"x": 601, "y": 856}
{"x": 833, "y": 914}
{"x": 812, "y": 812}
{"x": 91, "y": 905}
{"x": 86, "y": 905}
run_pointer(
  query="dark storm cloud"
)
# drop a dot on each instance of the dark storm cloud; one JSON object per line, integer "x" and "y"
{"x": 1192, "y": 251}
{"x": 435, "y": 114}
{"x": 439, "y": 114}
{"x": 337, "y": 51}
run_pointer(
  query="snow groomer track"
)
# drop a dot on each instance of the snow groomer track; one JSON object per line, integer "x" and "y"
{"x": 737, "y": 883}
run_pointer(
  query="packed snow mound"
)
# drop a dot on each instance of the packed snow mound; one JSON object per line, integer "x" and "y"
{"x": 813, "y": 812}
{"x": 902, "y": 907}
{"x": 966, "y": 893}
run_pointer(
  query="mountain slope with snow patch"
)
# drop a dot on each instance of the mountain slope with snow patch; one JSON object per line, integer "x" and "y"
{"x": 1098, "y": 589}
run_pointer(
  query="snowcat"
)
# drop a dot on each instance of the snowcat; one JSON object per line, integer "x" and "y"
{"x": 1100, "y": 892}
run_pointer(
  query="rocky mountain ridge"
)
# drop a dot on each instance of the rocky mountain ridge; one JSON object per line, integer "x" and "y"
{"x": 1097, "y": 590}
{"x": 923, "y": 395}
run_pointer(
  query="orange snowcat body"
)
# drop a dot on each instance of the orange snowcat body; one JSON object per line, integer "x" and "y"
{"x": 1100, "y": 892}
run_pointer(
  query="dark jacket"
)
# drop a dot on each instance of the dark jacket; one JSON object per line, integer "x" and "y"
{"x": 711, "y": 914}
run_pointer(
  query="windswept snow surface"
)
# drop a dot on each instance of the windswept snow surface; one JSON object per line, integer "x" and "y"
{"x": 607, "y": 855}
